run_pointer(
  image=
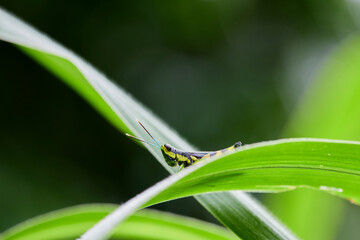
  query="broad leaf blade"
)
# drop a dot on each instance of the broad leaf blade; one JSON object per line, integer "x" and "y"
{"x": 122, "y": 110}
{"x": 327, "y": 165}
{"x": 332, "y": 166}
{"x": 71, "y": 222}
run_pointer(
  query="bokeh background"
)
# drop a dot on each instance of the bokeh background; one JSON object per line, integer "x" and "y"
{"x": 216, "y": 71}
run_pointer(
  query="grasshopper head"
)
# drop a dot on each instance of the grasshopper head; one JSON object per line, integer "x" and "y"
{"x": 169, "y": 154}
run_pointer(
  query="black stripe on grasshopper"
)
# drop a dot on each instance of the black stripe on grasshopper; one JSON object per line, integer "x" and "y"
{"x": 179, "y": 157}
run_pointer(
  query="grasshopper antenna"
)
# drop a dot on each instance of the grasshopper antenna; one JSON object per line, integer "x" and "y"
{"x": 148, "y": 133}
{"x": 141, "y": 140}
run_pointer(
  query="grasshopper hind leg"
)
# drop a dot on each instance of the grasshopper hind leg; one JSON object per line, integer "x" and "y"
{"x": 181, "y": 167}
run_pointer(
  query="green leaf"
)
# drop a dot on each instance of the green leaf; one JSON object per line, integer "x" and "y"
{"x": 275, "y": 166}
{"x": 244, "y": 216}
{"x": 330, "y": 106}
{"x": 71, "y": 222}
{"x": 329, "y": 109}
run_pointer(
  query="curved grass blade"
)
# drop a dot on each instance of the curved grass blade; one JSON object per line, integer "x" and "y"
{"x": 122, "y": 110}
{"x": 327, "y": 165}
{"x": 70, "y": 223}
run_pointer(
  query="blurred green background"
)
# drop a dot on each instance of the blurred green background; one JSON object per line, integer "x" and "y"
{"x": 216, "y": 71}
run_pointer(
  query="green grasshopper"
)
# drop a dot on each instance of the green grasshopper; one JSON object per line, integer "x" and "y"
{"x": 179, "y": 157}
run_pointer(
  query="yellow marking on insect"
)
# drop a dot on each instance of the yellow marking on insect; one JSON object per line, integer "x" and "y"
{"x": 230, "y": 148}
{"x": 218, "y": 153}
{"x": 193, "y": 158}
{"x": 206, "y": 156}
{"x": 167, "y": 152}
{"x": 181, "y": 158}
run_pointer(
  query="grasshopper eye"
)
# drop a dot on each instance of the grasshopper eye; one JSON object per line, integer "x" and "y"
{"x": 168, "y": 147}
